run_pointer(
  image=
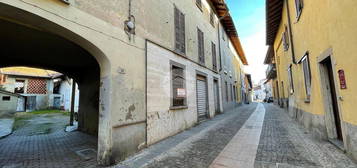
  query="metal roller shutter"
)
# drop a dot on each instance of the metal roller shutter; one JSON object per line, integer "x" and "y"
{"x": 201, "y": 99}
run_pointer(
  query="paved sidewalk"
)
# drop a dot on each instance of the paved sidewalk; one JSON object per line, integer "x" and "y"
{"x": 36, "y": 148}
{"x": 284, "y": 143}
{"x": 241, "y": 150}
{"x": 196, "y": 147}
{"x": 6, "y": 127}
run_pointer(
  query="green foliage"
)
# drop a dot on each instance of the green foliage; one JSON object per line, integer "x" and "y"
{"x": 66, "y": 113}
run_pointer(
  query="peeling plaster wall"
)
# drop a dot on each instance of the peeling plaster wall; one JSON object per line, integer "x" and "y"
{"x": 97, "y": 26}
{"x": 163, "y": 122}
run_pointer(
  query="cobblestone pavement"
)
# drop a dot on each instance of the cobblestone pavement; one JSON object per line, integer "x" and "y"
{"x": 283, "y": 143}
{"x": 54, "y": 148}
{"x": 199, "y": 148}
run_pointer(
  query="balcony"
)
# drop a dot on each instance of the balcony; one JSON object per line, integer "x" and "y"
{"x": 271, "y": 71}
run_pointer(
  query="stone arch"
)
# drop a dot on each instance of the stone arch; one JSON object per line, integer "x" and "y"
{"x": 60, "y": 37}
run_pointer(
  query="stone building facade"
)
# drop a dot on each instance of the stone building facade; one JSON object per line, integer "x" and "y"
{"x": 123, "y": 54}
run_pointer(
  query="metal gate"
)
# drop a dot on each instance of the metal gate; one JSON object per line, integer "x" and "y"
{"x": 30, "y": 103}
{"x": 57, "y": 103}
{"x": 20, "y": 104}
{"x": 201, "y": 98}
{"x": 216, "y": 96}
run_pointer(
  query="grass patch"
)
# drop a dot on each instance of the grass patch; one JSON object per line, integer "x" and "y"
{"x": 66, "y": 113}
{"x": 22, "y": 118}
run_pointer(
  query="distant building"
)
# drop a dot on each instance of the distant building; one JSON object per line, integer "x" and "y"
{"x": 9, "y": 102}
{"x": 42, "y": 89}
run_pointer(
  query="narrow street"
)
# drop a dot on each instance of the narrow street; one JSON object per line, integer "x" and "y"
{"x": 229, "y": 140}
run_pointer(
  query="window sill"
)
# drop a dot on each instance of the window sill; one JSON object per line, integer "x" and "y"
{"x": 179, "y": 53}
{"x": 178, "y": 107}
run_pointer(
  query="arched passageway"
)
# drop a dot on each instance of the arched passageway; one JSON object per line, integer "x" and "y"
{"x": 24, "y": 44}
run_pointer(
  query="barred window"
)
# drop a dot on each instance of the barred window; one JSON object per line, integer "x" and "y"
{"x": 180, "y": 43}
{"x": 178, "y": 85}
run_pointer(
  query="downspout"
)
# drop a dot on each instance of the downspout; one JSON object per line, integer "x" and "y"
{"x": 290, "y": 32}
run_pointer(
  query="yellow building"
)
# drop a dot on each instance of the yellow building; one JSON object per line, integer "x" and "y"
{"x": 313, "y": 48}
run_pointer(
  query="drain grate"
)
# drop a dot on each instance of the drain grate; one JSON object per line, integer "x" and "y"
{"x": 87, "y": 154}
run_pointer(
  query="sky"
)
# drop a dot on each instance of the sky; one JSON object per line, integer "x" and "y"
{"x": 249, "y": 19}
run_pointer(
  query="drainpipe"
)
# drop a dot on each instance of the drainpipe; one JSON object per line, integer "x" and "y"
{"x": 290, "y": 32}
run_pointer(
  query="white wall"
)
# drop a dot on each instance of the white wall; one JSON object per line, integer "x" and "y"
{"x": 163, "y": 122}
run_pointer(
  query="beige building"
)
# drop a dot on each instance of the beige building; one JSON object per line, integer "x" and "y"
{"x": 146, "y": 69}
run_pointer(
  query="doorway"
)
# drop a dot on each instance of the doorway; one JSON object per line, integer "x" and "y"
{"x": 216, "y": 96}
{"x": 202, "y": 104}
{"x": 333, "y": 114}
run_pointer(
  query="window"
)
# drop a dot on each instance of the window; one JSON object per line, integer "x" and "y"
{"x": 307, "y": 76}
{"x": 212, "y": 18}
{"x": 6, "y": 98}
{"x": 223, "y": 35}
{"x": 214, "y": 56}
{"x": 231, "y": 92}
{"x": 234, "y": 93}
{"x": 286, "y": 39}
{"x": 199, "y": 4}
{"x": 201, "y": 50}
{"x": 19, "y": 86}
{"x": 298, "y": 6}
{"x": 291, "y": 82}
{"x": 226, "y": 85}
{"x": 178, "y": 85}
{"x": 180, "y": 44}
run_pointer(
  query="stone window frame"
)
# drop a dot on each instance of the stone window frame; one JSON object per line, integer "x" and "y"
{"x": 183, "y": 67}
{"x": 305, "y": 61}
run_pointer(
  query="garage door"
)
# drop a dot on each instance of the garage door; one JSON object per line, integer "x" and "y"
{"x": 201, "y": 98}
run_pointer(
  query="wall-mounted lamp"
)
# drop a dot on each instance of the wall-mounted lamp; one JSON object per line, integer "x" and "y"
{"x": 129, "y": 26}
